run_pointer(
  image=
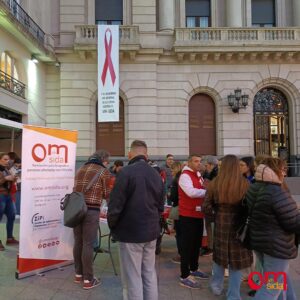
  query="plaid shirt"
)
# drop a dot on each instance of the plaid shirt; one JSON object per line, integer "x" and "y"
{"x": 100, "y": 189}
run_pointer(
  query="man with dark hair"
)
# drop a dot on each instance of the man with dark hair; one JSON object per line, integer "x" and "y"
{"x": 135, "y": 205}
{"x": 85, "y": 233}
{"x": 191, "y": 196}
{"x": 211, "y": 171}
{"x": 166, "y": 168}
{"x": 117, "y": 166}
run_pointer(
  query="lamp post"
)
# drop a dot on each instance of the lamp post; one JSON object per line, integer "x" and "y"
{"x": 237, "y": 100}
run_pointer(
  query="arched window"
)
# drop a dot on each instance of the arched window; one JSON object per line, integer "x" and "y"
{"x": 271, "y": 133}
{"x": 202, "y": 125}
{"x": 7, "y": 65}
{"x": 111, "y": 135}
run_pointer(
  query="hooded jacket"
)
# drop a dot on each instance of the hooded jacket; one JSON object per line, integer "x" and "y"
{"x": 274, "y": 216}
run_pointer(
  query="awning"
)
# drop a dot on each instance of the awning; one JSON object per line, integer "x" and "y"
{"x": 10, "y": 124}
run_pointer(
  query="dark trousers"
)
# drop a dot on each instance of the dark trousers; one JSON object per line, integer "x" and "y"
{"x": 178, "y": 235}
{"x": 8, "y": 208}
{"x": 208, "y": 228}
{"x": 192, "y": 231}
{"x": 85, "y": 235}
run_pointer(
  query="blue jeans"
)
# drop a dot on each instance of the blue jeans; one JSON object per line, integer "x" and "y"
{"x": 8, "y": 208}
{"x": 138, "y": 274}
{"x": 18, "y": 202}
{"x": 217, "y": 281}
{"x": 273, "y": 264}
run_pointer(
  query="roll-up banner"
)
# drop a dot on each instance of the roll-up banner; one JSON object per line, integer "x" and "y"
{"x": 108, "y": 73}
{"x": 48, "y": 169}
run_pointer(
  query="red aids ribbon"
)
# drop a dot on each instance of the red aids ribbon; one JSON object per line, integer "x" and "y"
{"x": 108, "y": 62}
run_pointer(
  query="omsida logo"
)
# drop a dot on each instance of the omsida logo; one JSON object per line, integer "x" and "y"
{"x": 270, "y": 279}
{"x": 53, "y": 152}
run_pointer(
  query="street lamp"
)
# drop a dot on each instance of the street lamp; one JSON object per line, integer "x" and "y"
{"x": 237, "y": 100}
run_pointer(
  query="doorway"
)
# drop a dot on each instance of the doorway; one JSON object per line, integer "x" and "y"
{"x": 111, "y": 135}
{"x": 271, "y": 130}
{"x": 202, "y": 125}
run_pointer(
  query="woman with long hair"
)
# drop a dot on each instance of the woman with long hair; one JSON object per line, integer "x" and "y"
{"x": 224, "y": 203}
{"x": 7, "y": 206}
{"x": 274, "y": 225}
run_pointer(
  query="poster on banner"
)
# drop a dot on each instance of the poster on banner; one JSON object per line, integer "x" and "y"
{"x": 108, "y": 73}
{"x": 48, "y": 169}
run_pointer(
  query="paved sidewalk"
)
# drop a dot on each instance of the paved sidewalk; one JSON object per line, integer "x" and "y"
{"x": 58, "y": 284}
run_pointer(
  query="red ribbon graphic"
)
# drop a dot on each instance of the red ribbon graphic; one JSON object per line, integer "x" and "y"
{"x": 108, "y": 62}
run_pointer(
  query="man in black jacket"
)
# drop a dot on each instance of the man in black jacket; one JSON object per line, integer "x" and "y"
{"x": 135, "y": 205}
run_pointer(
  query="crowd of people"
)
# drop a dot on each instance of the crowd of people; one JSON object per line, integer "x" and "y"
{"x": 208, "y": 195}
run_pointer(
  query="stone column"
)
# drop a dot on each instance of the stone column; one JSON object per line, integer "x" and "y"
{"x": 234, "y": 13}
{"x": 296, "y": 13}
{"x": 166, "y": 14}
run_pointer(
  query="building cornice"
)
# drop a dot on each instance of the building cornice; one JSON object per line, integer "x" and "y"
{"x": 198, "y": 45}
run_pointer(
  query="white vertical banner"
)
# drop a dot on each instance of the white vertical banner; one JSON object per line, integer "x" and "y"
{"x": 108, "y": 73}
{"x": 48, "y": 169}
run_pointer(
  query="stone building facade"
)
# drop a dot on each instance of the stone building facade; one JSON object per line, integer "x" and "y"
{"x": 179, "y": 61}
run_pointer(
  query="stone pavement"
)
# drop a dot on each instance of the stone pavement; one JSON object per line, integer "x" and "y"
{"x": 58, "y": 284}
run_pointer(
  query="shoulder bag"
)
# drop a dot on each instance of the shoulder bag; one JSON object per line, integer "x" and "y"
{"x": 74, "y": 205}
{"x": 242, "y": 233}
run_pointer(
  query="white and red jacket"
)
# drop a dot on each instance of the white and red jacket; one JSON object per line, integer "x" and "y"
{"x": 191, "y": 193}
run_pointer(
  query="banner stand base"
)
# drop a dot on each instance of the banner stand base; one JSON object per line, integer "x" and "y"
{"x": 43, "y": 270}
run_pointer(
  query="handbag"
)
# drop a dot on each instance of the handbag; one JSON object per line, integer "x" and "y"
{"x": 74, "y": 205}
{"x": 174, "y": 213}
{"x": 242, "y": 233}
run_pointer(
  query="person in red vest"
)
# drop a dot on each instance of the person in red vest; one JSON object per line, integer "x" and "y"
{"x": 191, "y": 196}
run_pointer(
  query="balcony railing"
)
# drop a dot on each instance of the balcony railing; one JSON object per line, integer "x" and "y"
{"x": 88, "y": 34}
{"x": 12, "y": 85}
{"x": 211, "y": 36}
{"x": 25, "y": 20}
